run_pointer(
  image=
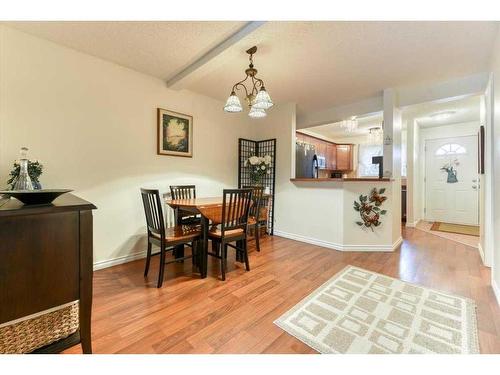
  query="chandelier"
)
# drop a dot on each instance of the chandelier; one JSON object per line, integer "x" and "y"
{"x": 349, "y": 125}
{"x": 256, "y": 96}
{"x": 375, "y": 135}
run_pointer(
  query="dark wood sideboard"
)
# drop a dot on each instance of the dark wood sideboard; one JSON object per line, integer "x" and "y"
{"x": 46, "y": 261}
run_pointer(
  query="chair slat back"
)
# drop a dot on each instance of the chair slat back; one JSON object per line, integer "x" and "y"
{"x": 153, "y": 211}
{"x": 235, "y": 209}
{"x": 257, "y": 198}
{"x": 183, "y": 191}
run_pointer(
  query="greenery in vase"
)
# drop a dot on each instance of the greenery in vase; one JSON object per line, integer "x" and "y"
{"x": 35, "y": 169}
{"x": 259, "y": 166}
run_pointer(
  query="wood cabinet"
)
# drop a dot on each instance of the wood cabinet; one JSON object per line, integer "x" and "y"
{"x": 344, "y": 158}
{"x": 321, "y": 148}
{"x": 331, "y": 158}
{"x": 46, "y": 262}
{"x": 339, "y": 157}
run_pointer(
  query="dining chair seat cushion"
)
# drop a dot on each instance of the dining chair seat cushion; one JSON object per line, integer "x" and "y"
{"x": 180, "y": 232}
{"x": 215, "y": 232}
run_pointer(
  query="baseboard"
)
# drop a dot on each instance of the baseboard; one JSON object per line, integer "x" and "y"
{"x": 496, "y": 290}
{"x": 336, "y": 246}
{"x": 330, "y": 245}
{"x": 120, "y": 260}
{"x": 481, "y": 251}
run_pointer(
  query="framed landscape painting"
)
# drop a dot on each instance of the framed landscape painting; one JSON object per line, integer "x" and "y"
{"x": 175, "y": 133}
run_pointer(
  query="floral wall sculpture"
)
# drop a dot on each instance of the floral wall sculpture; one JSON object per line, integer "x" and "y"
{"x": 369, "y": 209}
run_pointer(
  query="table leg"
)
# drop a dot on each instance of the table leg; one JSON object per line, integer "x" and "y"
{"x": 179, "y": 249}
{"x": 204, "y": 252}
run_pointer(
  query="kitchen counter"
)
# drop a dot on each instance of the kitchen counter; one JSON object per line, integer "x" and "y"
{"x": 369, "y": 179}
{"x": 321, "y": 211}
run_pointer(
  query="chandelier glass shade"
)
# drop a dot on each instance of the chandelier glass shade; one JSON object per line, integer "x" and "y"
{"x": 233, "y": 104}
{"x": 375, "y": 135}
{"x": 257, "y": 112}
{"x": 349, "y": 125}
{"x": 256, "y": 96}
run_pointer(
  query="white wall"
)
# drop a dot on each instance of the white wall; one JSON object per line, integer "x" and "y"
{"x": 454, "y": 130}
{"x": 93, "y": 125}
{"x": 495, "y": 67}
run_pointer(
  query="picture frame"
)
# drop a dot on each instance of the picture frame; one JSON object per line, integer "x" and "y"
{"x": 175, "y": 133}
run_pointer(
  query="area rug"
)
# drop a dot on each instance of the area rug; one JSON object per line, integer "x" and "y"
{"x": 363, "y": 312}
{"x": 470, "y": 230}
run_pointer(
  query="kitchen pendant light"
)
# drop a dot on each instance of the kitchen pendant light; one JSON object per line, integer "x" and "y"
{"x": 256, "y": 96}
{"x": 375, "y": 136}
{"x": 350, "y": 125}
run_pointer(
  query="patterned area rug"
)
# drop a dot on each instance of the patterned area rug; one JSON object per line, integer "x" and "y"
{"x": 470, "y": 230}
{"x": 359, "y": 311}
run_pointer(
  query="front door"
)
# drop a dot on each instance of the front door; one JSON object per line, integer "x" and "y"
{"x": 451, "y": 180}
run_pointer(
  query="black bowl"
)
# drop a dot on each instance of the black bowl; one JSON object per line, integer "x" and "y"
{"x": 30, "y": 197}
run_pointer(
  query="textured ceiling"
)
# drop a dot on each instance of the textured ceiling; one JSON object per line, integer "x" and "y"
{"x": 323, "y": 64}
{"x": 314, "y": 64}
{"x": 160, "y": 49}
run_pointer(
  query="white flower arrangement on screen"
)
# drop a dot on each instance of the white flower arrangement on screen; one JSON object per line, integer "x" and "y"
{"x": 259, "y": 166}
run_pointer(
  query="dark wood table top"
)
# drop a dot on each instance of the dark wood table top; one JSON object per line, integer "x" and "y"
{"x": 66, "y": 202}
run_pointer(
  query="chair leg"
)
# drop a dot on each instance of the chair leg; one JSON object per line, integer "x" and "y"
{"x": 215, "y": 247}
{"x": 245, "y": 254}
{"x": 257, "y": 236}
{"x": 162, "y": 266}
{"x": 194, "y": 245}
{"x": 223, "y": 248}
{"x": 148, "y": 259}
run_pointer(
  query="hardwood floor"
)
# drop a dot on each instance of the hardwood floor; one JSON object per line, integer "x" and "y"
{"x": 191, "y": 315}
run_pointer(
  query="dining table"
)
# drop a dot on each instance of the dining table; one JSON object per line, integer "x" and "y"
{"x": 210, "y": 210}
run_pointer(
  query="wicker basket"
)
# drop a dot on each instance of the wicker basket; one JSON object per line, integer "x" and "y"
{"x": 35, "y": 331}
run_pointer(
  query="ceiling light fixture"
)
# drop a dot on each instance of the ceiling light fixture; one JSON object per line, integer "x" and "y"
{"x": 349, "y": 125}
{"x": 256, "y": 96}
{"x": 444, "y": 115}
{"x": 375, "y": 135}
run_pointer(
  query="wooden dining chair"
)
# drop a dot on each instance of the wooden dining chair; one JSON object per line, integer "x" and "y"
{"x": 255, "y": 219}
{"x": 184, "y": 192}
{"x": 233, "y": 226}
{"x": 167, "y": 238}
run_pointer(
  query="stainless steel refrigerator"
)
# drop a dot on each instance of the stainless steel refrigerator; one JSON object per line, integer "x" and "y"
{"x": 306, "y": 162}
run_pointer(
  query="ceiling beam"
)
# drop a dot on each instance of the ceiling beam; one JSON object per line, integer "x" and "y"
{"x": 179, "y": 79}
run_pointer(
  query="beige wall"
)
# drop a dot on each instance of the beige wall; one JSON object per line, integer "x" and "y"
{"x": 93, "y": 125}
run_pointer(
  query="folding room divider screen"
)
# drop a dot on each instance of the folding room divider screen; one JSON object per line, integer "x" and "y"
{"x": 248, "y": 148}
